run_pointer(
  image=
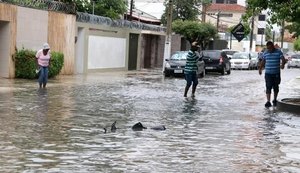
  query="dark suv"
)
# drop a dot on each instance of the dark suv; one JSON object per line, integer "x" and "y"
{"x": 216, "y": 61}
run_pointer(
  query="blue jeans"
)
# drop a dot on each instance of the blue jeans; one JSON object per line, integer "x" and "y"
{"x": 43, "y": 76}
{"x": 191, "y": 78}
{"x": 272, "y": 81}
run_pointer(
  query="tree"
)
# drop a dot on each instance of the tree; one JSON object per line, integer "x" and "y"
{"x": 113, "y": 9}
{"x": 279, "y": 10}
{"x": 195, "y": 31}
{"x": 269, "y": 34}
{"x": 183, "y": 10}
{"x": 297, "y": 44}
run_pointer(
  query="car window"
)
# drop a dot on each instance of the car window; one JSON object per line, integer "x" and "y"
{"x": 295, "y": 56}
{"x": 211, "y": 54}
{"x": 229, "y": 52}
{"x": 254, "y": 55}
{"x": 240, "y": 56}
{"x": 179, "y": 56}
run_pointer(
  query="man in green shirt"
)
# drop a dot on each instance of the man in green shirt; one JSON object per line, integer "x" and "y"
{"x": 190, "y": 70}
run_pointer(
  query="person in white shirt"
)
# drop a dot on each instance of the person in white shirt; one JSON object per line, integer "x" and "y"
{"x": 43, "y": 62}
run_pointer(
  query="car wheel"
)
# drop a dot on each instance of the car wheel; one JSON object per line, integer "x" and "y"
{"x": 223, "y": 71}
{"x": 229, "y": 71}
{"x": 205, "y": 71}
{"x": 201, "y": 75}
{"x": 166, "y": 74}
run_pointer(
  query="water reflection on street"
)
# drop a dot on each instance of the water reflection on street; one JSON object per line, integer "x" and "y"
{"x": 224, "y": 129}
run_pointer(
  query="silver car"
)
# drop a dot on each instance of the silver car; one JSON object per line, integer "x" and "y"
{"x": 176, "y": 64}
{"x": 294, "y": 61}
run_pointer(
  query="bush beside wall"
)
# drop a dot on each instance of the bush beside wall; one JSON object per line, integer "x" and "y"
{"x": 25, "y": 64}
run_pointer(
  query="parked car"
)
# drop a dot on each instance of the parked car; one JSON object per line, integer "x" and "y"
{"x": 255, "y": 59}
{"x": 216, "y": 61}
{"x": 288, "y": 55}
{"x": 176, "y": 64}
{"x": 244, "y": 60}
{"x": 230, "y": 52}
{"x": 294, "y": 61}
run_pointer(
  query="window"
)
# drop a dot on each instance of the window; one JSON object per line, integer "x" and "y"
{"x": 220, "y": 1}
{"x": 231, "y": 1}
{"x": 226, "y": 15}
{"x": 261, "y": 31}
{"x": 262, "y": 17}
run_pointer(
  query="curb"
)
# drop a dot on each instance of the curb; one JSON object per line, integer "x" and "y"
{"x": 290, "y": 105}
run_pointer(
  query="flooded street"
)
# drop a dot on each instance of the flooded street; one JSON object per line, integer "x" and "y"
{"x": 225, "y": 129}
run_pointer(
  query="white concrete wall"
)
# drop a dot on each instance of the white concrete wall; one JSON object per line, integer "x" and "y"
{"x": 32, "y": 28}
{"x": 243, "y": 46}
{"x": 79, "y": 59}
{"x": 4, "y": 49}
{"x": 106, "y": 52}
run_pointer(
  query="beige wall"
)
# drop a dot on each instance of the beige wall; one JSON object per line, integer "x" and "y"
{"x": 8, "y": 19}
{"x": 61, "y": 37}
{"x": 32, "y": 28}
{"x": 229, "y": 21}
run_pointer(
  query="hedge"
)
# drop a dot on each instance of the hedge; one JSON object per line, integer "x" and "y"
{"x": 25, "y": 64}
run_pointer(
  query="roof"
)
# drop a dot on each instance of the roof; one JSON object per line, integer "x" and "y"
{"x": 226, "y": 8}
{"x": 143, "y": 16}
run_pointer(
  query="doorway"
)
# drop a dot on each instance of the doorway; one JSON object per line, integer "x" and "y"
{"x": 133, "y": 49}
{"x": 4, "y": 49}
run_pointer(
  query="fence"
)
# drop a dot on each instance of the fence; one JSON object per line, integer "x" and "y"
{"x": 93, "y": 19}
{"x": 44, "y": 5}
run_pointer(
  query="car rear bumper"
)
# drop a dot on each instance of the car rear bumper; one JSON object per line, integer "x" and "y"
{"x": 213, "y": 68}
{"x": 174, "y": 72}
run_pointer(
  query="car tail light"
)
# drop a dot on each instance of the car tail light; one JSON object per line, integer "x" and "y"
{"x": 221, "y": 60}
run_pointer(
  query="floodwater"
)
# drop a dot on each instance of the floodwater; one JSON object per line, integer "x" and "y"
{"x": 225, "y": 129}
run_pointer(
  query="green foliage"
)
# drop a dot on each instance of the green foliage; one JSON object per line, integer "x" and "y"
{"x": 268, "y": 32}
{"x": 195, "y": 31}
{"x": 279, "y": 10}
{"x": 294, "y": 28}
{"x": 113, "y": 9}
{"x": 297, "y": 45}
{"x": 57, "y": 63}
{"x": 184, "y": 10}
{"x": 25, "y": 64}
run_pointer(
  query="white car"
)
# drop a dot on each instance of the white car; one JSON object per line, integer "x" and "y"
{"x": 294, "y": 61}
{"x": 244, "y": 60}
{"x": 229, "y": 52}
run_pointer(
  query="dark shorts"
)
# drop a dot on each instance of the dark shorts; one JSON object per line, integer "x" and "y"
{"x": 272, "y": 81}
{"x": 191, "y": 78}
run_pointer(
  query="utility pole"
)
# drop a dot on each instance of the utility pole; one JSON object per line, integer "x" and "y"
{"x": 93, "y": 7}
{"x": 167, "y": 49}
{"x": 204, "y": 6}
{"x": 273, "y": 36}
{"x": 218, "y": 20}
{"x": 252, "y": 28}
{"x": 131, "y": 7}
{"x": 282, "y": 33}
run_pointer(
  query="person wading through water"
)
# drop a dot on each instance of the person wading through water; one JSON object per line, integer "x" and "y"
{"x": 191, "y": 68}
